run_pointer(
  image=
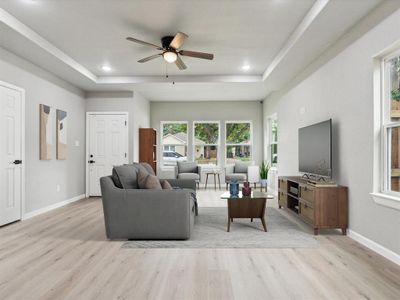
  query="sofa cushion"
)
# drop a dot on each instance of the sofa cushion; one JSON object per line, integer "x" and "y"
{"x": 115, "y": 179}
{"x": 241, "y": 167}
{"x": 187, "y": 167}
{"x": 127, "y": 176}
{"x": 194, "y": 176}
{"x": 165, "y": 185}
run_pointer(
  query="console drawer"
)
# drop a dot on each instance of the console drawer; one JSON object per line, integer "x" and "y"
{"x": 307, "y": 193}
{"x": 307, "y": 211}
{"x": 282, "y": 199}
{"x": 283, "y": 184}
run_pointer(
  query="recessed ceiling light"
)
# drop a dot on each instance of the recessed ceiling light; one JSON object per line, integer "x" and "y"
{"x": 30, "y": 1}
{"x": 245, "y": 67}
{"x": 106, "y": 68}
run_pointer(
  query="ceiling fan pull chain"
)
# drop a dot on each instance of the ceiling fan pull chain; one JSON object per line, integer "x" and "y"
{"x": 166, "y": 70}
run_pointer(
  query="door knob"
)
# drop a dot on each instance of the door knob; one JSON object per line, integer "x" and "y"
{"x": 91, "y": 161}
{"x": 17, "y": 162}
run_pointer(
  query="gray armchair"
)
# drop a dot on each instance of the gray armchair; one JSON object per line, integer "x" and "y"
{"x": 188, "y": 170}
{"x": 237, "y": 172}
{"x": 133, "y": 213}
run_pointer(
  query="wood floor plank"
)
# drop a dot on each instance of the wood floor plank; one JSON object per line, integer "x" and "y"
{"x": 64, "y": 254}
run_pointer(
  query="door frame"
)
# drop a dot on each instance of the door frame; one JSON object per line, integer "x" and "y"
{"x": 22, "y": 92}
{"x": 91, "y": 113}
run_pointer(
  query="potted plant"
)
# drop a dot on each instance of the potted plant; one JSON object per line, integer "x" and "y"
{"x": 264, "y": 173}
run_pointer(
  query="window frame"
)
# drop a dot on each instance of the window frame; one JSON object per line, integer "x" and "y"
{"x": 250, "y": 144}
{"x": 269, "y": 142}
{"x": 162, "y": 123}
{"x": 387, "y": 124}
{"x": 218, "y": 145}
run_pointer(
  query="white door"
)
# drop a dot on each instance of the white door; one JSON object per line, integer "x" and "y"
{"x": 108, "y": 147}
{"x": 10, "y": 155}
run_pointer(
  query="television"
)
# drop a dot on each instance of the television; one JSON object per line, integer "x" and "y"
{"x": 315, "y": 149}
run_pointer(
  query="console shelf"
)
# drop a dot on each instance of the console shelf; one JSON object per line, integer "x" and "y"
{"x": 318, "y": 205}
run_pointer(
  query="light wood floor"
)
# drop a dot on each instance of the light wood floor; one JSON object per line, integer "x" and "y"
{"x": 64, "y": 254}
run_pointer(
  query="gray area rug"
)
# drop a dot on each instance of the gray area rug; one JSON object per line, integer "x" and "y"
{"x": 210, "y": 232}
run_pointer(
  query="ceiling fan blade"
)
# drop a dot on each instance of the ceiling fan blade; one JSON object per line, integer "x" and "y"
{"x": 143, "y": 43}
{"x": 149, "y": 58}
{"x": 178, "y": 40}
{"x": 197, "y": 54}
{"x": 180, "y": 64}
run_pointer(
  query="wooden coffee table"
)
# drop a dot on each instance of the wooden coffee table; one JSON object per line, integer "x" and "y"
{"x": 247, "y": 207}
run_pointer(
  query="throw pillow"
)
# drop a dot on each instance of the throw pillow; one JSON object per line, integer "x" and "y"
{"x": 142, "y": 177}
{"x": 166, "y": 185}
{"x": 153, "y": 183}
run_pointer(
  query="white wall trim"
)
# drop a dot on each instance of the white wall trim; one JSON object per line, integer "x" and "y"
{"x": 51, "y": 207}
{"x": 386, "y": 200}
{"x": 389, "y": 254}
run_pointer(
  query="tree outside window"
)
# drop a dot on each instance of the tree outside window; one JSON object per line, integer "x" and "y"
{"x": 238, "y": 141}
{"x": 206, "y": 142}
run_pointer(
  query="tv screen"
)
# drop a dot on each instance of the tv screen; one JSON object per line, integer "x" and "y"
{"x": 315, "y": 150}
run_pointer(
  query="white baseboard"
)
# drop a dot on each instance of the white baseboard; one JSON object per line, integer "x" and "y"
{"x": 389, "y": 254}
{"x": 51, "y": 207}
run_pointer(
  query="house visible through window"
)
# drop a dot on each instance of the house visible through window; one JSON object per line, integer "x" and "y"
{"x": 391, "y": 124}
{"x": 238, "y": 141}
{"x": 174, "y": 142}
{"x": 206, "y": 142}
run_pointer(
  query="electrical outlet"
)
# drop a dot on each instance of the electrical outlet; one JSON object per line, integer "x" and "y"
{"x": 58, "y": 188}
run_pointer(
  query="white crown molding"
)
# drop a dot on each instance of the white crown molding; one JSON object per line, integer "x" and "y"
{"x": 180, "y": 78}
{"x": 37, "y": 39}
{"x": 313, "y": 13}
{"x": 34, "y": 37}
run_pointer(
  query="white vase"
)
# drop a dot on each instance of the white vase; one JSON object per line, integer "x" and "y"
{"x": 264, "y": 182}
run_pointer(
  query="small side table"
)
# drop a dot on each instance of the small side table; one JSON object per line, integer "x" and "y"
{"x": 215, "y": 173}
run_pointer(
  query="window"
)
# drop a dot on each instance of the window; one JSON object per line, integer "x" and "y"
{"x": 272, "y": 138}
{"x": 238, "y": 141}
{"x": 391, "y": 124}
{"x": 206, "y": 142}
{"x": 174, "y": 142}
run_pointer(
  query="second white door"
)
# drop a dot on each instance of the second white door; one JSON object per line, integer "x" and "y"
{"x": 108, "y": 147}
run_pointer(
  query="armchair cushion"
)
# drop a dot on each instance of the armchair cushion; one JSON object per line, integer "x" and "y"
{"x": 193, "y": 176}
{"x": 241, "y": 167}
{"x": 187, "y": 167}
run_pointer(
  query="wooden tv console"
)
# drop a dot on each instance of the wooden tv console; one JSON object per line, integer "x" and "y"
{"x": 318, "y": 205}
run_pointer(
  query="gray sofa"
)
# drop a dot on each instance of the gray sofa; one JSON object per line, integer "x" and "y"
{"x": 133, "y": 213}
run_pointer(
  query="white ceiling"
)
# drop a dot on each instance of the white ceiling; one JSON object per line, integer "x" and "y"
{"x": 92, "y": 32}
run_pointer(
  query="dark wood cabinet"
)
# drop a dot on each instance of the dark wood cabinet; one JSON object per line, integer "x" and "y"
{"x": 148, "y": 147}
{"x": 321, "y": 206}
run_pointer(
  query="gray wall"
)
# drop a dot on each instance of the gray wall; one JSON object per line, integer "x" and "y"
{"x": 135, "y": 104}
{"x": 212, "y": 111}
{"x": 42, "y": 177}
{"x": 343, "y": 90}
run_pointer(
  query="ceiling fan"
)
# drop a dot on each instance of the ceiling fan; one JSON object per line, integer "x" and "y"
{"x": 170, "y": 50}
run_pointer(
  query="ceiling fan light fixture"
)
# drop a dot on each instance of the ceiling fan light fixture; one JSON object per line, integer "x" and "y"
{"x": 170, "y": 56}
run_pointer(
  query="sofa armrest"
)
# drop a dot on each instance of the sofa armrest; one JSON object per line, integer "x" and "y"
{"x": 199, "y": 171}
{"x": 183, "y": 183}
{"x": 176, "y": 172}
